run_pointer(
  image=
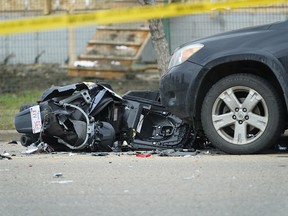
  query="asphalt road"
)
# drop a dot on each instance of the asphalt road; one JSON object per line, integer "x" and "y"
{"x": 121, "y": 184}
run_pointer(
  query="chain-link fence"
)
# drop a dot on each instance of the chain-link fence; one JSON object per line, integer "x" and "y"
{"x": 32, "y": 62}
{"x": 186, "y": 28}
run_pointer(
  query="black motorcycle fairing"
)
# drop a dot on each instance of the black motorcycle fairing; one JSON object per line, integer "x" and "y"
{"x": 104, "y": 137}
{"x": 91, "y": 116}
{"x": 23, "y": 123}
{"x": 58, "y": 91}
{"x": 153, "y": 126}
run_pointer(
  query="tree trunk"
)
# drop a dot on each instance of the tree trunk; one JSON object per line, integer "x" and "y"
{"x": 158, "y": 40}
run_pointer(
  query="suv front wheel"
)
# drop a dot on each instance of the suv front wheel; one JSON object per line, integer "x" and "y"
{"x": 242, "y": 114}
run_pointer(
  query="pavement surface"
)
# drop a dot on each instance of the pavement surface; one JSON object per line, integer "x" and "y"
{"x": 205, "y": 184}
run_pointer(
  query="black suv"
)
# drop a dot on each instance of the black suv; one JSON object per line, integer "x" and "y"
{"x": 233, "y": 86}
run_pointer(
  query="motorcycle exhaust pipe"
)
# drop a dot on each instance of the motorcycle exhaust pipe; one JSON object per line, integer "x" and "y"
{"x": 27, "y": 140}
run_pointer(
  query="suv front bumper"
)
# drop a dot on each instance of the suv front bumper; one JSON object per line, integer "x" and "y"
{"x": 178, "y": 89}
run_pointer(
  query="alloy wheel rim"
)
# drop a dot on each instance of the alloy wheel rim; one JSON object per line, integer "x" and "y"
{"x": 240, "y": 115}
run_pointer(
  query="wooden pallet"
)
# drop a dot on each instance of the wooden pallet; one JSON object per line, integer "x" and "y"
{"x": 113, "y": 49}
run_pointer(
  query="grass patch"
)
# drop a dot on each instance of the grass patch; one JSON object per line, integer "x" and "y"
{"x": 10, "y": 104}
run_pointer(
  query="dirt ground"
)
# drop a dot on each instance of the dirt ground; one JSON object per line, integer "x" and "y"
{"x": 16, "y": 78}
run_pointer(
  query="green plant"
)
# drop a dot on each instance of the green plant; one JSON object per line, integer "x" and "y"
{"x": 10, "y": 104}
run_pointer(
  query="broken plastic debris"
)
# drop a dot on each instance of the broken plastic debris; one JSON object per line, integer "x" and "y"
{"x": 58, "y": 175}
{"x": 41, "y": 147}
{"x": 187, "y": 155}
{"x": 5, "y": 156}
{"x": 13, "y": 142}
{"x": 100, "y": 154}
{"x": 282, "y": 147}
{"x": 188, "y": 150}
{"x": 30, "y": 149}
{"x": 143, "y": 155}
{"x": 175, "y": 153}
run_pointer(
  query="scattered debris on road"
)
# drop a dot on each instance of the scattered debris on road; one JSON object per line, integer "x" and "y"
{"x": 13, "y": 142}
{"x": 39, "y": 148}
{"x": 5, "y": 155}
{"x": 58, "y": 175}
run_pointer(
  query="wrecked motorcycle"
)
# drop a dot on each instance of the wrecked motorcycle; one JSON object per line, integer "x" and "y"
{"x": 91, "y": 116}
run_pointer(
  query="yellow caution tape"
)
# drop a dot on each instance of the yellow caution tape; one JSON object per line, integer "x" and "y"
{"x": 125, "y": 15}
